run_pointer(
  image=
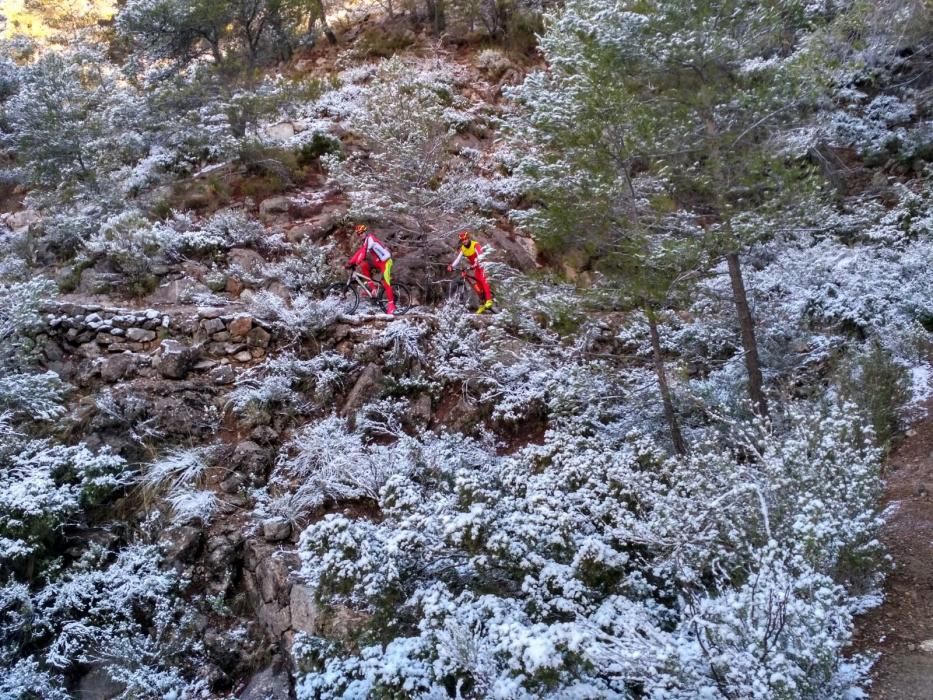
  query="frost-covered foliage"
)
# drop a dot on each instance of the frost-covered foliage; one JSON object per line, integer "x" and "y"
{"x": 130, "y": 241}
{"x": 285, "y": 382}
{"x": 407, "y": 116}
{"x": 120, "y": 613}
{"x": 303, "y": 315}
{"x": 178, "y": 474}
{"x": 525, "y": 576}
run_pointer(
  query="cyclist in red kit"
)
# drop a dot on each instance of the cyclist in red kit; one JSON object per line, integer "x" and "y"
{"x": 373, "y": 252}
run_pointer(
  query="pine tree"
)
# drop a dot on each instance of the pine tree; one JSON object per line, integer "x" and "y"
{"x": 684, "y": 95}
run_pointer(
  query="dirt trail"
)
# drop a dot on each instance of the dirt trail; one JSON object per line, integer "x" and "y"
{"x": 902, "y": 628}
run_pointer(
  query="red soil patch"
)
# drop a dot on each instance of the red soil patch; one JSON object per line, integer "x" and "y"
{"x": 898, "y": 628}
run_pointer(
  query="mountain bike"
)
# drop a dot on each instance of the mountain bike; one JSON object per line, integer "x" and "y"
{"x": 464, "y": 290}
{"x": 349, "y": 293}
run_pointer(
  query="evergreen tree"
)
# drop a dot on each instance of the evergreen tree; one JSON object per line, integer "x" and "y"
{"x": 684, "y": 95}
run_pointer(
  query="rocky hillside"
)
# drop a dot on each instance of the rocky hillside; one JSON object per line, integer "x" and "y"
{"x": 654, "y": 471}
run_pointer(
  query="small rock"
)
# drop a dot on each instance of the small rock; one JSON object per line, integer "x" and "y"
{"x": 232, "y": 483}
{"x": 151, "y": 314}
{"x": 97, "y": 683}
{"x": 264, "y": 435}
{"x": 240, "y": 326}
{"x": 222, "y": 375}
{"x": 104, "y": 338}
{"x": 213, "y": 325}
{"x": 243, "y": 356}
{"x": 181, "y": 544}
{"x": 251, "y": 459}
{"x": 421, "y": 409}
{"x": 140, "y": 335}
{"x": 926, "y": 646}
{"x": 221, "y": 337}
{"x": 281, "y": 131}
{"x": 234, "y": 286}
{"x": 89, "y": 350}
{"x": 204, "y": 365}
{"x": 276, "y": 529}
{"x": 257, "y": 353}
{"x": 116, "y": 367}
{"x": 367, "y": 386}
{"x": 306, "y": 613}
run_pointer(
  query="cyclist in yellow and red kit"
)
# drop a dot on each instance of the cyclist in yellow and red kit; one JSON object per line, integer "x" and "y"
{"x": 470, "y": 250}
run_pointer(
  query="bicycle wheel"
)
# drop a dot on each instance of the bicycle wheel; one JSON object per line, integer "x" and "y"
{"x": 463, "y": 295}
{"x": 403, "y": 299}
{"x": 343, "y": 294}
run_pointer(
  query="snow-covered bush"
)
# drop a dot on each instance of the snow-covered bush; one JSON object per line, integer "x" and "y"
{"x": 525, "y": 576}
{"x": 285, "y": 382}
{"x": 122, "y": 613}
{"x": 302, "y": 316}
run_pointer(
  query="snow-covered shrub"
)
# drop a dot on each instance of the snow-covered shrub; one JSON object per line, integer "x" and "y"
{"x": 593, "y": 565}
{"x": 26, "y": 678}
{"x": 401, "y": 344}
{"x": 879, "y": 386}
{"x": 33, "y": 503}
{"x": 329, "y": 463}
{"x": 406, "y": 116}
{"x": 873, "y": 128}
{"x": 285, "y": 382}
{"x": 306, "y": 269}
{"x": 124, "y": 614}
{"x": 178, "y": 475}
{"x": 228, "y": 228}
{"x": 303, "y": 316}
{"x": 130, "y": 242}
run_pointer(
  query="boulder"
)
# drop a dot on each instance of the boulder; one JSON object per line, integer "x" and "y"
{"x": 140, "y": 335}
{"x": 178, "y": 291}
{"x": 175, "y": 359}
{"x": 258, "y": 338}
{"x": 251, "y": 459}
{"x": 305, "y": 611}
{"x": 282, "y": 131}
{"x": 210, "y": 311}
{"x": 222, "y": 375}
{"x": 181, "y": 545}
{"x": 274, "y": 205}
{"x": 276, "y": 529}
{"x": 272, "y": 577}
{"x": 21, "y": 221}
{"x": 367, "y": 387}
{"x": 97, "y": 684}
{"x": 117, "y": 367}
{"x": 213, "y": 325}
{"x": 246, "y": 260}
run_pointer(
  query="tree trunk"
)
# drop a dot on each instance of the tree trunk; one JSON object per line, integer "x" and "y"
{"x": 747, "y": 327}
{"x": 680, "y": 446}
{"x": 318, "y": 13}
